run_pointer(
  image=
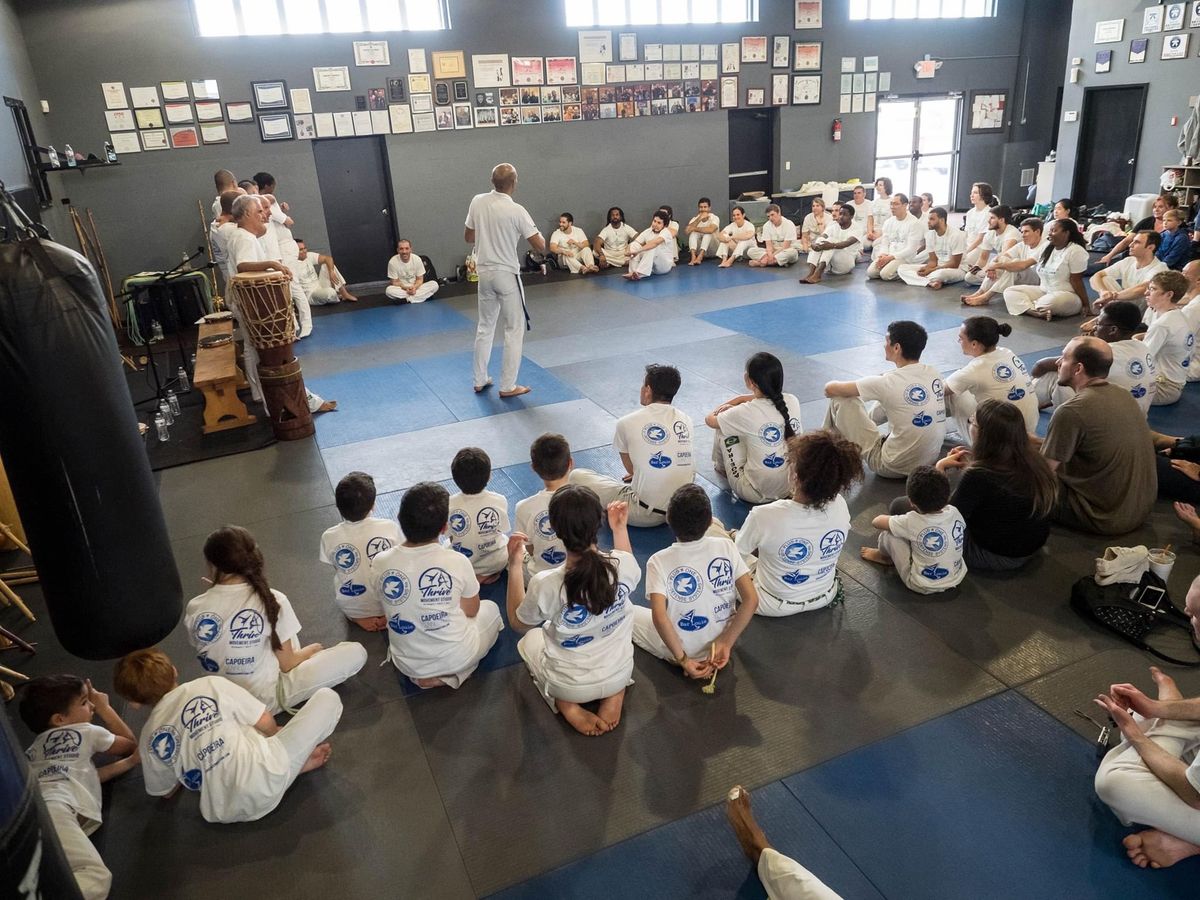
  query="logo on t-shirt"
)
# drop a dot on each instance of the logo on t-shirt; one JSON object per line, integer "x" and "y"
{"x": 797, "y": 550}
{"x": 1137, "y": 391}
{"x": 575, "y": 615}
{"x": 683, "y": 584}
{"x": 771, "y": 433}
{"x": 932, "y": 540}
{"x": 1016, "y": 394}
{"x": 345, "y": 557}
{"x": 350, "y": 589}
{"x": 958, "y": 532}
{"x": 915, "y": 395}
{"x": 773, "y": 461}
{"x": 246, "y": 627}
{"x": 192, "y": 779}
{"x": 934, "y": 573}
{"x": 831, "y": 543}
{"x": 1002, "y": 372}
{"x": 720, "y": 574}
{"x": 923, "y": 420}
{"x": 163, "y": 744}
{"x": 692, "y": 621}
{"x": 199, "y": 713}
{"x": 578, "y": 640}
{"x": 60, "y": 741}
{"x": 401, "y": 626}
{"x": 660, "y": 460}
{"x": 1136, "y": 368}
{"x": 794, "y": 577}
{"x": 435, "y": 585}
{"x": 377, "y": 545}
{"x": 207, "y": 627}
{"x": 488, "y": 520}
{"x": 394, "y": 586}
{"x": 654, "y": 433}
{"x": 553, "y": 555}
{"x": 208, "y": 664}
{"x": 543, "y": 526}
{"x": 458, "y": 522}
{"x": 681, "y": 431}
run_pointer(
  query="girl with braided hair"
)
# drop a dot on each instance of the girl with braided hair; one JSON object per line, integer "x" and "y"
{"x": 752, "y": 431}
{"x": 246, "y": 631}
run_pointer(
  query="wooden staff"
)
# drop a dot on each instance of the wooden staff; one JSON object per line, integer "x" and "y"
{"x": 16, "y": 601}
{"x": 11, "y": 535}
{"x": 13, "y": 674}
{"x": 12, "y": 638}
{"x": 102, "y": 263}
{"x": 217, "y": 300}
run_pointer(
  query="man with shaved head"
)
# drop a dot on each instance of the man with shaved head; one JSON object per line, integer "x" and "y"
{"x": 497, "y": 226}
{"x": 223, "y": 180}
{"x": 1100, "y": 446}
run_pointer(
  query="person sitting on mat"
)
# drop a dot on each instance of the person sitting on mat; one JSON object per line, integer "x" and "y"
{"x": 550, "y": 459}
{"x": 478, "y": 517}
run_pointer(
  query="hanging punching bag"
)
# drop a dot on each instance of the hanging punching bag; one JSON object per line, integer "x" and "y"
{"x": 69, "y": 440}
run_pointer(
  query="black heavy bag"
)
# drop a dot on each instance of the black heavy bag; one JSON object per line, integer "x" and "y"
{"x": 79, "y": 473}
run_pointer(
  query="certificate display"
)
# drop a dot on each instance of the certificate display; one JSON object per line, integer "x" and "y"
{"x": 119, "y": 119}
{"x": 490, "y": 70}
{"x": 214, "y": 133}
{"x": 595, "y": 46}
{"x": 561, "y": 70}
{"x": 144, "y": 97}
{"x": 269, "y": 94}
{"x": 449, "y": 64}
{"x": 527, "y": 70}
{"x": 114, "y": 95}
{"x": 331, "y": 78}
{"x": 372, "y": 53}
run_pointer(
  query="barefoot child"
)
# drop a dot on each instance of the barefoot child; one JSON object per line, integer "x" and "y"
{"x": 214, "y": 737}
{"x": 478, "y": 517}
{"x": 550, "y": 459}
{"x": 246, "y": 631}
{"x": 438, "y": 628}
{"x": 580, "y": 648}
{"x": 693, "y": 587}
{"x": 59, "y": 710}
{"x": 925, "y": 545}
{"x": 351, "y": 545}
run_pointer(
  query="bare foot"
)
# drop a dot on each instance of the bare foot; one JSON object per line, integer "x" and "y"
{"x": 934, "y": 285}
{"x": 580, "y": 719}
{"x": 610, "y": 710}
{"x": 1167, "y": 689}
{"x": 726, "y": 264}
{"x": 745, "y": 827}
{"x": 318, "y": 757}
{"x": 1157, "y": 849}
{"x": 1044, "y": 314}
{"x": 480, "y": 388}
{"x": 631, "y": 276}
{"x": 348, "y": 297}
{"x": 870, "y": 554}
{"x": 427, "y": 683}
{"x": 490, "y": 579}
{"x": 327, "y": 406}
{"x": 977, "y": 301}
{"x": 371, "y": 623}
{"x": 516, "y": 391}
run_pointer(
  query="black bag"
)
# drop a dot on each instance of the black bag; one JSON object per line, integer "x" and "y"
{"x": 1187, "y": 448}
{"x": 1141, "y": 613}
{"x": 430, "y": 271}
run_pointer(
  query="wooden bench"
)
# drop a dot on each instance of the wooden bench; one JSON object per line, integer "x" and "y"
{"x": 218, "y": 377}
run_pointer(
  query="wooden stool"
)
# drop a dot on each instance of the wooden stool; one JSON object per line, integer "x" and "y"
{"x": 218, "y": 378}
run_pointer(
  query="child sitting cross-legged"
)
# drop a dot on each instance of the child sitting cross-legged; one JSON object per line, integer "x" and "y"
{"x": 550, "y": 459}
{"x": 478, "y": 517}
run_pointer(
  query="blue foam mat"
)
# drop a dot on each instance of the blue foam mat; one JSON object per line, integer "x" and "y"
{"x": 685, "y": 279}
{"x": 449, "y": 377}
{"x": 698, "y": 857}
{"x": 993, "y": 800}
{"x": 381, "y": 325}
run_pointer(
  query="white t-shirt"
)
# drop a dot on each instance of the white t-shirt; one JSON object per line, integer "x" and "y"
{"x": 1133, "y": 369}
{"x": 349, "y": 547}
{"x": 1022, "y": 251}
{"x": 784, "y": 231}
{"x": 862, "y": 210}
{"x": 901, "y": 238}
{"x": 421, "y": 589}
{"x": 61, "y": 760}
{"x": 945, "y": 246}
{"x": 242, "y": 246}
{"x": 915, "y": 404}
{"x": 583, "y": 649}
{"x": 479, "y": 528}
{"x": 881, "y": 210}
{"x": 1055, "y": 273}
{"x": 743, "y": 232}
{"x": 288, "y": 248}
{"x": 666, "y": 250}
{"x": 698, "y": 580}
{"x": 711, "y": 219}
{"x": 812, "y": 229}
{"x": 228, "y": 626}
{"x": 406, "y": 272}
{"x": 305, "y": 270}
{"x": 533, "y": 520}
{"x": 797, "y": 545}
{"x": 1126, "y": 273}
{"x": 220, "y": 239}
{"x": 500, "y": 225}
{"x": 976, "y": 221}
{"x": 835, "y": 234}
{"x": 616, "y": 240}
{"x": 216, "y": 240}
{"x": 998, "y": 375}
{"x": 936, "y": 540}
{"x": 270, "y": 243}
{"x": 658, "y": 440}
{"x": 558, "y": 240}
{"x": 760, "y": 427}
{"x": 216, "y": 207}
{"x": 1170, "y": 339}
{"x": 994, "y": 242}
{"x": 202, "y": 735}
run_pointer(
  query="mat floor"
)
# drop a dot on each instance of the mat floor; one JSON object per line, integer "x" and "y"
{"x": 901, "y": 746}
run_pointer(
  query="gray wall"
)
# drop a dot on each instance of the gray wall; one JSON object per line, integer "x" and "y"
{"x": 1171, "y": 82}
{"x": 16, "y": 80}
{"x": 583, "y": 167}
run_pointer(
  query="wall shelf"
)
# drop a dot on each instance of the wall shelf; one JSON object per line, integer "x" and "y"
{"x": 1188, "y": 190}
{"x": 78, "y": 167}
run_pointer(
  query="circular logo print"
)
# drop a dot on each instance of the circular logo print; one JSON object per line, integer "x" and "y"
{"x": 681, "y": 431}
{"x": 60, "y": 741}
{"x": 208, "y": 664}
{"x": 207, "y": 627}
{"x": 922, "y": 421}
{"x": 193, "y": 779}
{"x": 915, "y": 395}
{"x": 831, "y": 543}
{"x": 164, "y": 743}
{"x": 796, "y": 550}
{"x": 198, "y": 712}
{"x": 720, "y": 574}
{"x": 774, "y": 461}
{"x": 933, "y": 540}
{"x": 488, "y": 520}
{"x": 771, "y": 434}
{"x": 575, "y": 615}
{"x": 458, "y": 522}
{"x": 654, "y": 434}
{"x": 1016, "y": 394}
{"x": 393, "y": 585}
{"x": 1002, "y": 372}
{"x": 683, "y": 583}
{"x": 660, "y": 460}
{"x": 435, "y": 585}
{"x": 345, "y": 557}
{"x": 246, "y": 626}
{"x": 543, "y": 526}
{"x": 377, "y": 545}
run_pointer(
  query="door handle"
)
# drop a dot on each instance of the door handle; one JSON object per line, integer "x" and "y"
{"x": 1129, "y": 163}
{"x": 384, "y": 212}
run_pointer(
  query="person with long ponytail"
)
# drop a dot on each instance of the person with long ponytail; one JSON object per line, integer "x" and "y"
{"x": 752, "y": 431}
{"x": 578, "y": 616}
{"x": 994, "y": 372}
{"x": 246, "y": 631}
{"x": 1060, "y": 290}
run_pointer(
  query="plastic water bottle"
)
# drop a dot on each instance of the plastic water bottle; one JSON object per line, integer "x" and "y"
{"x": 156, "y": 332}
{"x": 110, "y": 153}
{"x": 173, "y": 403}
{"x": 70, "y": 156}
{"x": 164, "y": 410}
{"x": 182, "y": 377}
{"x": 52, "y": 155}
{"x": 160, "y": 427}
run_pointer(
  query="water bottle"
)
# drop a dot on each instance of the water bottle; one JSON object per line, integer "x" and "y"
{"x": 160, "y": 427}
{"x": 164, "y": 410}
{"x": 70, "y": 156}
{"x": 185, "y": 264}
{"x": 52, "y": 155}
{"x": 173, "y": 403}
{"x": 110, "y": 153}
{"x": 182, "y": 377}
{"x": 156, "y": 332}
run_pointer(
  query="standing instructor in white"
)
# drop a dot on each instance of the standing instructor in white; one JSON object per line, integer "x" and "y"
{"x": 496, "y": 225}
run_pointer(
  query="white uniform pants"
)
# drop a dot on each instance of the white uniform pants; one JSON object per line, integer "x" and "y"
{"x": 1050, "y": 392}
{"x": 487, "y": 624}
{"x": 308, "y": 728}
{"x": 646, "y": 636}
{"x": 729, "y": 459}
{"x": 739, "y": 250}
{"x": 327, "y": 287}
{"x": 331, "y": 666}
{"x": 773, "y": 607}
{"x": 90, "y": 873}
{"x": 900, "y": 552}
{"x": 837, "y": 262}
{"x": 971, "y": 257}
{"x": 785, "y": 879}
{"x": 423, "y": 293}
{"x": 582, "y": 259}
{"x": 702, "y": 242}
{"x": 890, "y": 272}
{"x": 1136, "y": 795}
{"x": 959, "y": 409}
{"x": 610, "y": 489}
{"x": 1166, "y": 392}
{"x": 1021, "y": 298}
{"x": 947, "y": 275}
{"x": 501, "y": 297}
{"x": 1003, "y": 280}
{"x": 532, "y": 648}
{"x": 782, "y": 257}
{"x": 650, "y": 263}
{"x": 616, "y": 257}
{"x": 299, "y": 300}
{"x": 849, "y": 417}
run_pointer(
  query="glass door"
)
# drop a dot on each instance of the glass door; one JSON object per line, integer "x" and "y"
{"x": 916, "y": 145}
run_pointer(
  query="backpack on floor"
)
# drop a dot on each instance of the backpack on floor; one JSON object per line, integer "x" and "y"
{"x": 430, "y": 271}
{"x": 1187, "y": 448}
{"x": 1142, "y": 614}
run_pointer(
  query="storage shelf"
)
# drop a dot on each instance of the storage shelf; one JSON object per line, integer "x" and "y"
{"x": 78, "y": 167}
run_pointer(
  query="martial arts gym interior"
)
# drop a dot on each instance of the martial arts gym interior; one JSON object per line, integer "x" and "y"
{"x": 264, "y": 277}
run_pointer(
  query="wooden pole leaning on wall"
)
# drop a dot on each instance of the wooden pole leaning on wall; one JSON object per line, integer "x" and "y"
{"x": 218, "y": 302}
{"x": 95, "y": 254}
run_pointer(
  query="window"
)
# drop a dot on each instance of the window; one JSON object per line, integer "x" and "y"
{"x": 224, "y": 18}
{"x": 921, "y": 9}
{"x": 591, "y": 13}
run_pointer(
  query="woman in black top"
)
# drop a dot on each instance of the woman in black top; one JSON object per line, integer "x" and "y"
{"x": 1006, "y": 492}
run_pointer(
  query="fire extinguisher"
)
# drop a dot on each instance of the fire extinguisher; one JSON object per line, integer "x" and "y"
{"x": 837, "y": 130}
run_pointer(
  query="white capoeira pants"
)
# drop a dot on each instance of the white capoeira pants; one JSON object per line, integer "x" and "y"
{"x": 329, "y": 667}
{"x": 785, "y": 879}
{"x": 1003, "y": 281}
{"x": 1021, "y": 298}
{"x": 91, "y": 874}
{"x": 487, "y": 624}
{"x": 615, "y": 257}
{"x": 899, "y": 551}
{"x": 701, "y": 242}
{"x": 739, "y": 249}
{"x": 299, "y": 300}
{"x": 646, "y": 636}
{"x": 850, "y": 418}
{"x": 501, "y": 296}
{"x": 729, "y": 459}
{"x": 1049, "y": 392}
{"x": 783, "y": 258}
{"x": 890, "y": 272}
{"x": 650, "y": 263}
{"x": 641, "y": 514}
{"x": 837, "y": 262}
{"x": 325, "y": 291}
{"x": 1166, "y": 392}
{"x": 423, "y": 293}
{"x": 532, "y": 648}
{"x": 308, "y": 728}
{"x": 971, "y": 257}
{"x": 1136, "y": 795}
{"x": 583, "y": 258}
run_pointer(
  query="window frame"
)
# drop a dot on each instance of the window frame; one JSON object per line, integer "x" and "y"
{"x": 990, "y": 11}
{"x": 752, "y": 15}
{"x": 443, "y": 7}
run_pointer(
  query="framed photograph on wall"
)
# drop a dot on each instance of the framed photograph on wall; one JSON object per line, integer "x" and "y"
{"x": 781, "y": 51}
{"x": 779, "y": 90}
{"x": 806, "y": 90}
{"x": 806, "y": 56}
{"x": 306, "y": 127}
{"x": 460, "y": 92}
{"x": 1103, "y": 61}
{"x": 269, "y": 94}
{"x": 1175, "y": 46}
{"x": 275, "y": 127}
{"x": 986, "y": 112}
{"x": 1137, "y": 49}
{"x": 755, "y": 97}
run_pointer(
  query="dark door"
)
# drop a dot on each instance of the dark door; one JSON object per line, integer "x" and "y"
{"x": 1109, "y": 132}
{"x": 751, "y": 139}
{"x": 357, "y": 199}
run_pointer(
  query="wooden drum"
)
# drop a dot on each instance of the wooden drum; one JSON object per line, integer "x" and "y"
{"x": 264, "y": 305}
{"x": 286, "y": 401}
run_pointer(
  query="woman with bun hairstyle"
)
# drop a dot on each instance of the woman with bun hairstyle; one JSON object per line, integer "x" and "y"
{"x": 994, "y": 372}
